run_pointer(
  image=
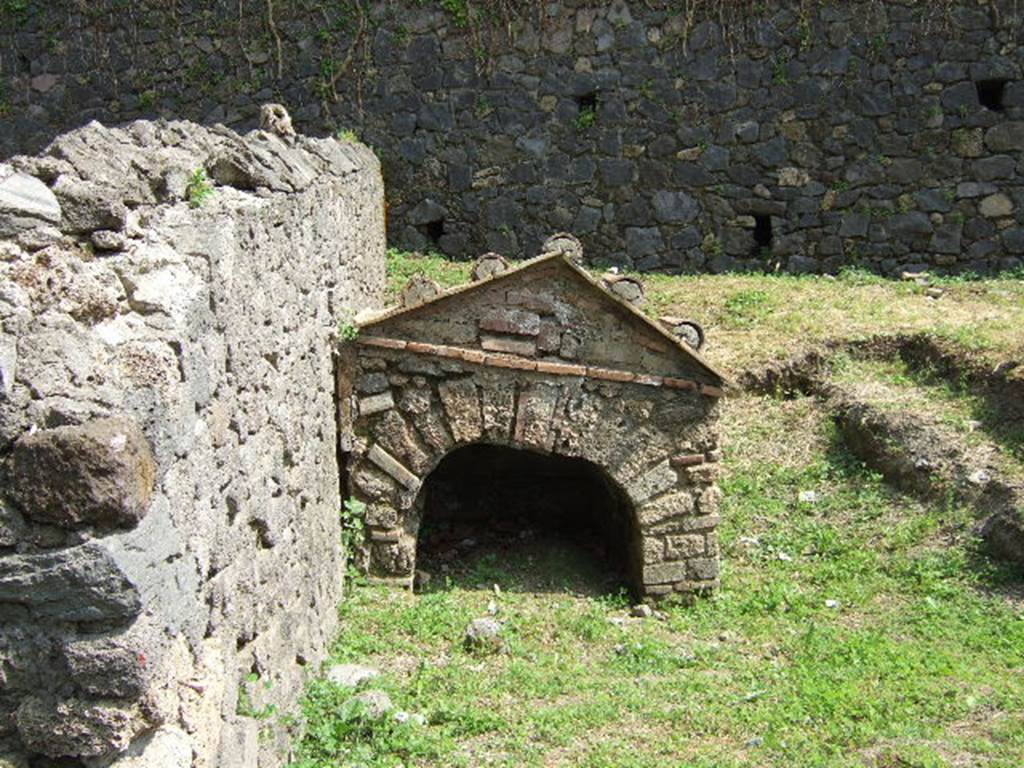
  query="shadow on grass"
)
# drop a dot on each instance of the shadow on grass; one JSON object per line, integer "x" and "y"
{"x": 530, "y": 561}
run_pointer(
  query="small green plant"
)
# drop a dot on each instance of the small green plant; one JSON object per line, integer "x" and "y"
{"x": 714, "y": 246}
{"x": 353, "y": 527}
{"x": 806, "y": 34}
{"x": 879, "y": 43}
{"x": 348, "y": 330}
{"x": 459, "y": 9}
{"x": 147, "y": 99}
{"x": 586, "y": 118}
{"x": 780, "y": 75}
{"x": 483, "y": 108}
{"x": 199, "y": 188}
{"x": 747, "y": 307}
{"x": 15, "y": 10}
{"x": 347, "y": 135}
{"x": 245, "y": 706}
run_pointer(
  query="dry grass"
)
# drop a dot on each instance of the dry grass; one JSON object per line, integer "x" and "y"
{"x": 753, "y": 319}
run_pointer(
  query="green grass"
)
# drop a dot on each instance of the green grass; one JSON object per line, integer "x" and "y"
{"x": 918, "y": 662}
{"x": 952, "y": 405}
{"x": 402, "y": 266}
{"x": 752, "y": 319}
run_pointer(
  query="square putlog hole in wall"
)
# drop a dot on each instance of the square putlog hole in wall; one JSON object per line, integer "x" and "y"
{"x": 432, "y": 230}
{"x": 763, "y": 234}
{"x": 586, "y": 110}
{"x": 991, "y": 94}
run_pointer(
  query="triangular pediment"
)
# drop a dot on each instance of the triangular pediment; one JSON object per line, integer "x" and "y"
{"x": 547, "y": 309}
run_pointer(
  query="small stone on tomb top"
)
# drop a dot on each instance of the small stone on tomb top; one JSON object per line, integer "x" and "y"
{"x": 489, "y": 265}
{"x": 419, "y": 289}
{"x": 565, "y": 243}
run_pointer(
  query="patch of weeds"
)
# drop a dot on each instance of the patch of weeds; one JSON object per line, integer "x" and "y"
{"x": 586, "y": 118}
{"x": 347, "y": 136}
{"x": 402, "y": 265}
{"x": 245, "y": 706}
{"x": 14, "y": 11}
{"x": 459, "y": 9}
{"x": 340, "y": 731}
{"x": 483, "y": 108}
{"x": 649, "y": 656}
{"x": 745, "y": 308}
{"x": 147, "y": 99}
{"x": 780, "y": 70}
{"x": 859, "y": 276}
{"x": 878, "y": 44}
{"x": 348, "y": 329}
{"x": 486, "y": 570}
{"x": 199, "y": 188}
{"x": 353, "y": 528}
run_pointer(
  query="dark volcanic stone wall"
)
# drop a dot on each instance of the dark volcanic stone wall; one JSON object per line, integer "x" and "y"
{"x": 800, "y": 135}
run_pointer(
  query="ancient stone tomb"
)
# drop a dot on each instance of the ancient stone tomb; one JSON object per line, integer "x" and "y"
{"x": 540, "y": 377}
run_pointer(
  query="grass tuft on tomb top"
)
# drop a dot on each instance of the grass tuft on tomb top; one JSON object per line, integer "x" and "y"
{"x": 864, "y": 629}
{"x": 753, "y": 319}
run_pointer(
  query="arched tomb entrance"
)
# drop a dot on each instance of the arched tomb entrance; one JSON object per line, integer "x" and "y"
{"x": 506, "y": 499}
{"x": 539, "y": 358}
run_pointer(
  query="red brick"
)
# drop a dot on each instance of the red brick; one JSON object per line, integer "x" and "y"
{"x": 472, "y": 355}
{"x": 561, "y": 369}
{"x": 680, "y": 384}
{"x": 380, "y": 341}
{"x": 507, "y": 361}
{"x": 609, "y": 374}
{"x": 422, "y": 349}
{"x": 687, "y": 460}
{"x": 710, "y": 391}
{"x": 650, "y": 381}
{"x": 657, "y": 346}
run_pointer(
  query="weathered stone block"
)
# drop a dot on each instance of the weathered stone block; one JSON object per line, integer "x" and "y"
{"x": 76, "y": 728}
{"x": 376, "y": 404}
{"x": 709, "y": 500}
{"x": 684, "y": 546}
{"x": 654, "y": 550}
{"x": 397, "y": 437}
{"x": 536, "y": 414}
{"x": 78, "y": 584}
{"x": 393, "y": 467}
{"x": 432, "y": 428}
{"x": 996, "y": 206}
{"x": 24, "y": 202}
{"x": 498, "y": 410}
{"x": 87, "y": 206}
{"x": 509, "y": 346}
{"x": 115, "y": 666}
{"x": 1006, "y": 137}
{"x": 656, "y": 480}
{"x": 664, "y": 573}
{"x": 703, "y": 568}
{"x": 511, "y": 320}
{"x": 101, "y": 473}
{"x": 462, "y": 406}
{"x": 166, "y": 747}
